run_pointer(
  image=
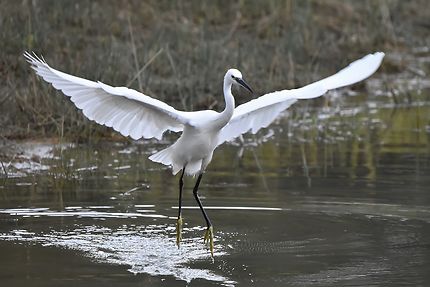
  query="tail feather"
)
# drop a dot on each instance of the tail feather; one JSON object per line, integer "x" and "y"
{"x": 166, "y": 157}
{"x": 163, "y": 156}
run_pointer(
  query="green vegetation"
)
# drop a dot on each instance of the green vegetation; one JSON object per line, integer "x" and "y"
{"x": 179, "y": 51}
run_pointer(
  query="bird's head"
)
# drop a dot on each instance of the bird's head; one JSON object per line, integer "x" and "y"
{"x": 234, "y": 77}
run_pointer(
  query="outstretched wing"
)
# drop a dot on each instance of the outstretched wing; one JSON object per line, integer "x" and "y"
{"x": 125, "y": 110}
{"x": 260, "y": 112}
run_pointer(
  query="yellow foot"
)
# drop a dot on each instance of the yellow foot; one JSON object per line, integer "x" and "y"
{"x": 179, "y": 231}
{"x": 209, "y": 239}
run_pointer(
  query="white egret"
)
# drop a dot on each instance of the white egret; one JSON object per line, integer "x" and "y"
{"x": 139, "y": 116}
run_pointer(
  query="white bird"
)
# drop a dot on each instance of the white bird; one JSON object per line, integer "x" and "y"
{"x": 139, "y": 116}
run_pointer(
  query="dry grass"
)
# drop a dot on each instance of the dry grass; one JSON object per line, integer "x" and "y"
{"x": 179, "y": 51}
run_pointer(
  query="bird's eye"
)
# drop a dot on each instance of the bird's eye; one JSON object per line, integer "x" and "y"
{"x": 233, "y": 77}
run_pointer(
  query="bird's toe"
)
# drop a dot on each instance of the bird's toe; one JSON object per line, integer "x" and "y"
{"x": 209, "y": 239}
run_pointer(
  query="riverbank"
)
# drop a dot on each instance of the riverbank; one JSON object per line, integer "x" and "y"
{"x": 179, "y": 54}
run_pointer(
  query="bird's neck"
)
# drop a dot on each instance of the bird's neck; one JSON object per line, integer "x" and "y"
{"x": 227, "y": 113}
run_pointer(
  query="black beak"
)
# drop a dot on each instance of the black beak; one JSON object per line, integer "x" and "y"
{"x": 244, "y": 84}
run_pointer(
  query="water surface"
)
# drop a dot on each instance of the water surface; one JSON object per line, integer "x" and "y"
{"x": 331, "y": 195}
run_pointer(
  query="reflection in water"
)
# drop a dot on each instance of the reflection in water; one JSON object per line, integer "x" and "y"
{"x": 145, "y": 249}
{"x": 233, "y": 208}
{"x": 402, "y": 212}
{"x": 79, "y": 212}
{"x": 338, "y": 197}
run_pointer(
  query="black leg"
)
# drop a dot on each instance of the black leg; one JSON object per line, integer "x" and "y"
{"x": 208, "y": 238}
{"x": 179, "y": 222}
{"x": 196, "y": 196}
{"x": 181, "y": 185}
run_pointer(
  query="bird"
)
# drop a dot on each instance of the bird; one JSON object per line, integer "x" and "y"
{"x": 136, "y": 115}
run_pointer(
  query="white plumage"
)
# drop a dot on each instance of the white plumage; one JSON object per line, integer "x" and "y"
{"x": 137, "y": 115}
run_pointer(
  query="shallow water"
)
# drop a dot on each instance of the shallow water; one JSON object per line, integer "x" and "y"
{"x": 336, "y": 195}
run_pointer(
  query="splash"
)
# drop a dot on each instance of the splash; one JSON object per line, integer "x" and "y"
{"x": 149, "y": 249}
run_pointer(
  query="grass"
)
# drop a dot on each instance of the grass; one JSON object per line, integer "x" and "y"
{"x": 179, "y": 51}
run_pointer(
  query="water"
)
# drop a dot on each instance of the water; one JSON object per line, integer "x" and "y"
{"x": 336, "y": 195}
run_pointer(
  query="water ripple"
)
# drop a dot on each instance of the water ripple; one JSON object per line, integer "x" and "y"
{"x": 78, "y": 212}
{"x": 147, "y": 249}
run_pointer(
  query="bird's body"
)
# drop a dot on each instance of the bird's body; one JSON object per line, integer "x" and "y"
{"x": 137, "y": 115}
{"x": 194, "y": 148}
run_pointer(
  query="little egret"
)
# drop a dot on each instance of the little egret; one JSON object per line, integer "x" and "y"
{"x": 139, "y": 116}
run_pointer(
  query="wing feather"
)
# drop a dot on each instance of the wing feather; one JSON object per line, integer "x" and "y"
{"x": 260, "y": 112}
{"x": 127, "y": 111}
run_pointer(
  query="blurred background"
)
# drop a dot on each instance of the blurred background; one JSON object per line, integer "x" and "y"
{"x": 179, "y": 51}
